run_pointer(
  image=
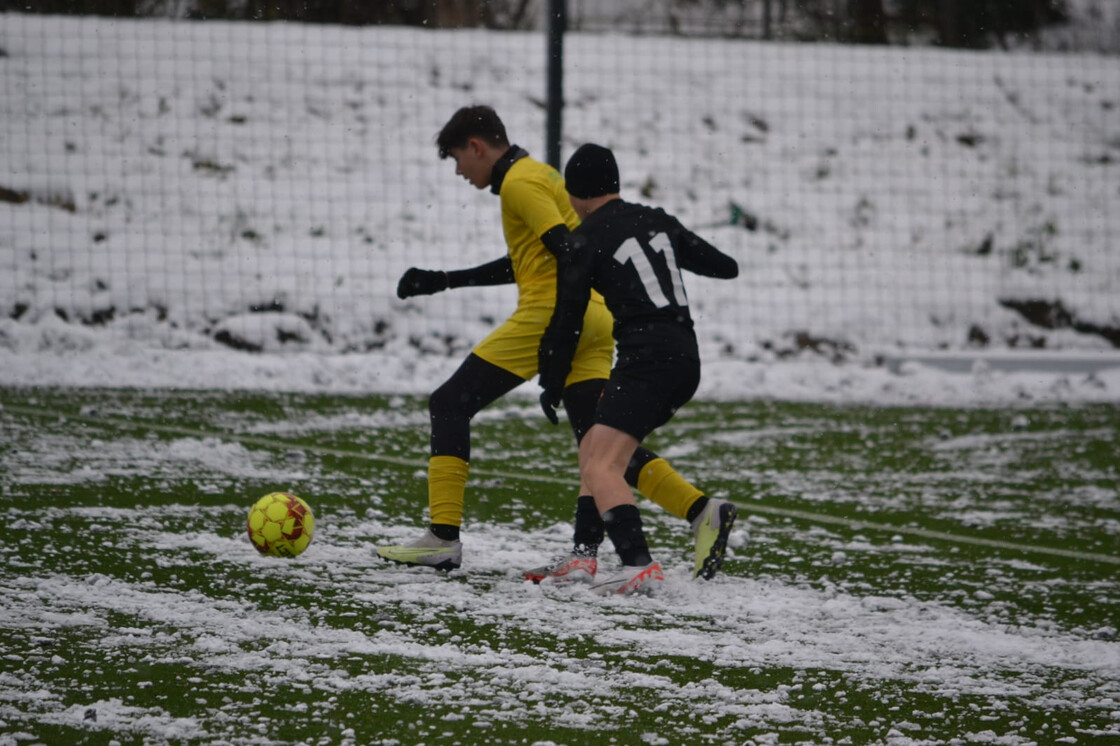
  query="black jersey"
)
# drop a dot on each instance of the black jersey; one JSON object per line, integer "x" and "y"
{"x": 634, "y": 255}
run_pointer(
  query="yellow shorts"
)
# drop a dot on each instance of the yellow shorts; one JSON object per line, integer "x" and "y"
{"x": 513, "y": 345}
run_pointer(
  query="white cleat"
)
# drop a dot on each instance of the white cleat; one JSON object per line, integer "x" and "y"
{"x": 630, "y": 580}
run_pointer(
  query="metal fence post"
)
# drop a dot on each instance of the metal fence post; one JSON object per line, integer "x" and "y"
{"x": 557, "y": 24}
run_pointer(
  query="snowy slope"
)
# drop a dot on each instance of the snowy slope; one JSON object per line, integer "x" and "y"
{"x": 185, "y": 186}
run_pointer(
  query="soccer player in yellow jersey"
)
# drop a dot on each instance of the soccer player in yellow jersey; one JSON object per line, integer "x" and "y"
{"x": 537, "y": 218}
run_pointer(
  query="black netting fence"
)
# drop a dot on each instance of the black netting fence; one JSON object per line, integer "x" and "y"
{"x": 263, "y": 185}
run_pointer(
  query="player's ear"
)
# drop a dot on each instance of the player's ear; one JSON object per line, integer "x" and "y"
{"x": 476, "y": 146}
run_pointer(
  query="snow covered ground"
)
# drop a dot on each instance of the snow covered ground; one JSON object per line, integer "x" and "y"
{"x": 127, "y": 572}
{"x": 173, "y": 186}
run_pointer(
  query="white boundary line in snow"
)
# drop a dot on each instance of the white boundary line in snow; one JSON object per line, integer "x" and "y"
{"x": 801, "y": 515}
{"x": 1011, "y": 361}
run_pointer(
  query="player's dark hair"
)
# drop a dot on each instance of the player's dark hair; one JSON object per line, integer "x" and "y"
{"x": 471, "y": 121}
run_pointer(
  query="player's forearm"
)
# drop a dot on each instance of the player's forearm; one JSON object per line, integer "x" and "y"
{"x": 573, "y": 293}
{"x": 573, "y": 280}
{"x": 497, "y": 272}
{"x": 700, "y": 257}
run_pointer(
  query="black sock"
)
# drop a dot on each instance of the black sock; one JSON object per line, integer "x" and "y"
{"x": 624, "y": 526}
{"x": 589, "y": 527}
{"x": 445, "y": 531}
{"x": 696, "y": 509}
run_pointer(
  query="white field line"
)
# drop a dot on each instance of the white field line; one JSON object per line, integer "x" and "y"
{"x": 801, "y": 515}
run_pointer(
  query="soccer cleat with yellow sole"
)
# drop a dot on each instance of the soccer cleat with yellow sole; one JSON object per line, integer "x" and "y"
{"x": 711, "y": 529}
{"x": 427, "y": 551}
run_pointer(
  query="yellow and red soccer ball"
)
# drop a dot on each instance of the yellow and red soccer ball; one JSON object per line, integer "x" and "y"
{"x": 281, "y": 524}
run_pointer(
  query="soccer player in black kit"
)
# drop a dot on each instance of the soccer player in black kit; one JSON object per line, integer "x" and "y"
{"x": 633, "y": 255}
{"x": 536, "y": 216}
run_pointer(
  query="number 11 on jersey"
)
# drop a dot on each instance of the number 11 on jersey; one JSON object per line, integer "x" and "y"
{"x": 631, "y": 251}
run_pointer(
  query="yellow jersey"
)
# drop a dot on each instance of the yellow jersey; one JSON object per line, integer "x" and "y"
{"x": 534, "y": 201}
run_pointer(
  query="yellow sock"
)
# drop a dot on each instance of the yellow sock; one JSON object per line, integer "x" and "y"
{"x": 447, "y": 481}
{"x": 661, "y": 483}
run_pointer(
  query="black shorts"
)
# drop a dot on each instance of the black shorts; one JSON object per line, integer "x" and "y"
{"x": 642, "y": 396}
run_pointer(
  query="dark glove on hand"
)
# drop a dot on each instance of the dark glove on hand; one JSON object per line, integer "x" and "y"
{"x": 554, "y": 359}
{"x": 421, "y": 282}
{"x": 549, "y": 403}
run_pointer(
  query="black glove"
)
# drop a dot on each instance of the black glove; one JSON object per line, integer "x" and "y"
{"x": 549, "y": 403}
{"x": 554, "y": 360}
{"x": 421, "y": 282}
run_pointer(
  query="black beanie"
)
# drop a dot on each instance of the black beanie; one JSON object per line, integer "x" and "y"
{"x": 591, "y": 172}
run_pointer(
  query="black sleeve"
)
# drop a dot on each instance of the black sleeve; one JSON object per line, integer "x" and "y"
{"x": 700, "y": 257}
{"x": 573, "y": 287}
{"x": 558, "y": 240}
{"x": 561, "y": 337}
{"x": 497, "y": 272}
